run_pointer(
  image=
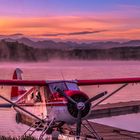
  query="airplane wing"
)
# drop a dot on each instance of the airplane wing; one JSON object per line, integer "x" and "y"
{"x": 108, "y": 81}
{"x": 23, "y": 82}
{"x": 79, "y": 82}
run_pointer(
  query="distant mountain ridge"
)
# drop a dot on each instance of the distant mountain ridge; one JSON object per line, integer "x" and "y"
{"x": 50, "y": 44}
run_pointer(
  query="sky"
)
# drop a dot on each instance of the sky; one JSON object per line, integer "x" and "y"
{"x": 81, "y": 20}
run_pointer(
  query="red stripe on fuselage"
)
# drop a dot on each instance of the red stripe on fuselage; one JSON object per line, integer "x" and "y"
{"x": 47, "y": 104}
{"x": 56, "y": 104}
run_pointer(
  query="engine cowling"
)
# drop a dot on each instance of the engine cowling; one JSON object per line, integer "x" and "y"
{"x": 68, "y": 112}
{"x": 79, "y": 97}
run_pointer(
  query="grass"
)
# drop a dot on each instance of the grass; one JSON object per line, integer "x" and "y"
{"x": 18, "y": 138}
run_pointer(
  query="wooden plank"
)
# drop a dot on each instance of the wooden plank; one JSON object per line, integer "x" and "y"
{"x": 115, "y": 109}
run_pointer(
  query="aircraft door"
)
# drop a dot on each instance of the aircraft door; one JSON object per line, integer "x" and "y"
{"x": 40, "y": 103}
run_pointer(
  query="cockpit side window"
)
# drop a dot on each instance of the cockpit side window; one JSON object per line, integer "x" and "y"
{"x": 38, "y": 97}
{"x": 60, "y": 85}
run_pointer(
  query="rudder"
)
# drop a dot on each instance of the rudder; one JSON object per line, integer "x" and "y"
{"x": 16, "y": 91}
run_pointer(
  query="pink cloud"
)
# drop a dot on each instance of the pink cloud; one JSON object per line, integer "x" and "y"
{"x": 117, "y": 26}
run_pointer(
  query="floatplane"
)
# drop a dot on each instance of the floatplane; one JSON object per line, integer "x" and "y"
{"x": 57, "y": 103}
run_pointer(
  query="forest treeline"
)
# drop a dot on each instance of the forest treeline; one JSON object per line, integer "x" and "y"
{"x": 15, "y": 51}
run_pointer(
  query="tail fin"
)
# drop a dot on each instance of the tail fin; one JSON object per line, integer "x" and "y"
{"x": 16, "y": 91}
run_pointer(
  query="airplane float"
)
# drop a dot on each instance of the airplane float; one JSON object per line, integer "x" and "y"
{"x": 57, "y": 102}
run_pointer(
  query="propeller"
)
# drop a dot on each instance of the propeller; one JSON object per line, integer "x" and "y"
{"x": 96, "y": 97}
{"x": 80, "y": 105}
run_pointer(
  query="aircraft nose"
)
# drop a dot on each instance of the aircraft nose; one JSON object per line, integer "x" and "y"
{"x": 80, "y": 98}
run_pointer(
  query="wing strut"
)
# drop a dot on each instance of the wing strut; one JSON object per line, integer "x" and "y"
{"x": 20, "y": 108}
{"x": 124, "y": 85}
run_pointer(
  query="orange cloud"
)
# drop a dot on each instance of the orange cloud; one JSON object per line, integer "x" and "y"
{"x": 117, "y": 27}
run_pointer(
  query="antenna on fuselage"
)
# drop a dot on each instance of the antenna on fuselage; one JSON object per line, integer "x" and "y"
{"x": 62, "y": 75}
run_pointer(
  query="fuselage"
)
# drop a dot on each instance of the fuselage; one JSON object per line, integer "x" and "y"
{"x": 45, "y": 102}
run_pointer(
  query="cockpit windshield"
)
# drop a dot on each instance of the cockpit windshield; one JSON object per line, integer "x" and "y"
{"x": 64, "y": 85}
{"x": 72, "y": 86}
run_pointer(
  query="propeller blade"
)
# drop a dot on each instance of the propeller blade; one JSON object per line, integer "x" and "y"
{"x": 65, "y": 95}
{"x": 78, "y": 126}
{"x": 96, "y": 97}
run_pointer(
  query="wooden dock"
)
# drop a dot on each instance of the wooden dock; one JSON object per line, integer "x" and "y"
{"x": 115, "y": 109}
{"x": 112, "y": 133}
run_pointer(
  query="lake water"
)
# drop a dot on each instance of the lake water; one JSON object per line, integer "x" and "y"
{"x": 54, "y": 70}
